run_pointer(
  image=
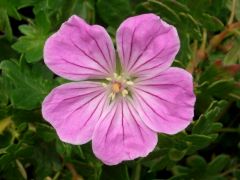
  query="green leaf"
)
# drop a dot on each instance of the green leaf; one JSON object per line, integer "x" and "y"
{"x": 3, "y": 93}
{"x": 84, "y": 9}
{"x": 113, "y": 12}
{"x": 221, "y": 87}
{"x": 115, "y": 172}
{"x": 189, "y": 25}
{"x": 218, "y": 164}
{"x": 164, "y": 11}
{"x": 165, "y": 141}
{"x": 197, "y": 162}
{"x": 175, "y": 154}
{"x": 185, "y": 51}
{"x": 179, "y": 177}
{"x": 176, "y": 6}
{"x": 197, "y": 141}
{"x": 237, "y": 174}
{"x": 211, "y": 23}
{"x": 5, "y": 24}
{"x": 31, "y": 44}
{"x": 46, "y": 132}
{"x": 180, "y": 170}
{"x": 6, "y": 52}
{"x": 9, "y": 8}
{"x": 29, "y": 86}
{"x": 205, "y": 124}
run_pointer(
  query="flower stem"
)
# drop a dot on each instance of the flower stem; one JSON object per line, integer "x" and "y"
{"x": 75, "y": 175}
{"x": 137, "y": 172}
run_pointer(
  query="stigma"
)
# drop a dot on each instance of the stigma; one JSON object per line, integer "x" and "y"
{"x": 116, "y": 87}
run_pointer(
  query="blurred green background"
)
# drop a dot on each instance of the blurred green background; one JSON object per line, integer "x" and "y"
{"x": 209, "y": 149}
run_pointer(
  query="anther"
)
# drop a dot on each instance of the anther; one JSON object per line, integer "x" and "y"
{"x": 124, "y": 93}
{"x": 104, "y": 84}
{"x": 130, "y": 83}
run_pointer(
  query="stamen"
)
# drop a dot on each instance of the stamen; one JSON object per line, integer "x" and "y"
{"x": 119, "y": 86}
{"x": 115, "y": 75}
{"x": 109, "y": 79}
{"x": 124, "y": 93}
{"x": 130, "y": 83}
{"x": 104, "y": 84}
{"x": 112, "y": 96}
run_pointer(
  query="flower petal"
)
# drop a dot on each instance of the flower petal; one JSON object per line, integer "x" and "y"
{"x": 146, "y": 44}
{"x": 73, "y": 109}
{"x": 121, "y": 135}
{"x": 166, "y": 101}
{"x": 80, "y": 51}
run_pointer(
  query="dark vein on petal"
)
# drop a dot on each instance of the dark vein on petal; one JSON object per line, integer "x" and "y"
{"x": 131, "y": 47}
{"x": 123, "y": 130}
{"x": 158, "y": 97}
{"x": 82, "y": 105}
{"x": 110, "y": 122}
{"x": 149, "y": 60}
{"x": 139, "y": 128}
{"x": 151, "y": 107}
{"x": 80, "y": 65}
{"x": 167, "y": 84}
{"x": 123, "y": 52}
{"x": 94, "y": 60}
{"x": 159, "y": 75}
{"x": 109, "y": 54}
{"x": 142, "y": 110}
{"x": 156, "y": 56}
{"x": 72, "y": 73}
{"x": 103, "y": 55}
{"x": 65, "y": 99}
{"x": 155, "y": 111}
{"x": 94, "y": 112}
{"x": 148, "y": 44}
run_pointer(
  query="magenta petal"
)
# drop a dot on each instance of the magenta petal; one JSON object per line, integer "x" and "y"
{"x": 146, "y": 44}
{"x": 121, "y": 135}
{"x": 80, "y": 51}
{"x": 166, "y": 101}
{"x": 73, "y": 109}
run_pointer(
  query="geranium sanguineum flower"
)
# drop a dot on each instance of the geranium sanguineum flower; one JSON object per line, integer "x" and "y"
{"x": 119, "y": 102}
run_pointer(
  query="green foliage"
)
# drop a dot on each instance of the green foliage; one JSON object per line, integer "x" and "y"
{"x": 113, "y": 12}
{"x": 28, "y": 86}
{"x": 210, "y": 41}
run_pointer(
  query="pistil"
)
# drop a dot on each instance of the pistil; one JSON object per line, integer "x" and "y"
{"x": 119, "y": 85}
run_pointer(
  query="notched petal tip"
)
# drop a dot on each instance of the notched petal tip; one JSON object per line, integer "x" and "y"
{"x": 146, "y": 44}
{"x": 166, "y": 101}
{"x": 80, "y": 51}
{"x": 120, "y": 135}
{"x": 73, "y": 109}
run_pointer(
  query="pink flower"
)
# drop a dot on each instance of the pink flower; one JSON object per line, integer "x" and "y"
{"x": 121, "y": 112}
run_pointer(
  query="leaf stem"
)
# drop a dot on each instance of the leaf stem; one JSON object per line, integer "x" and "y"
{"x": 192, "y": 63}
{"x": 217, "y": 39}
{"x": 230, "y": 130}
{"x": 233, "y": 9}
{"x": 231, "y": 170}
{"x": 204, "y": 40}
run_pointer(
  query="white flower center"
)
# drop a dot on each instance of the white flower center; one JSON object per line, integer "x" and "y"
{"x": 119, "y": 86}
